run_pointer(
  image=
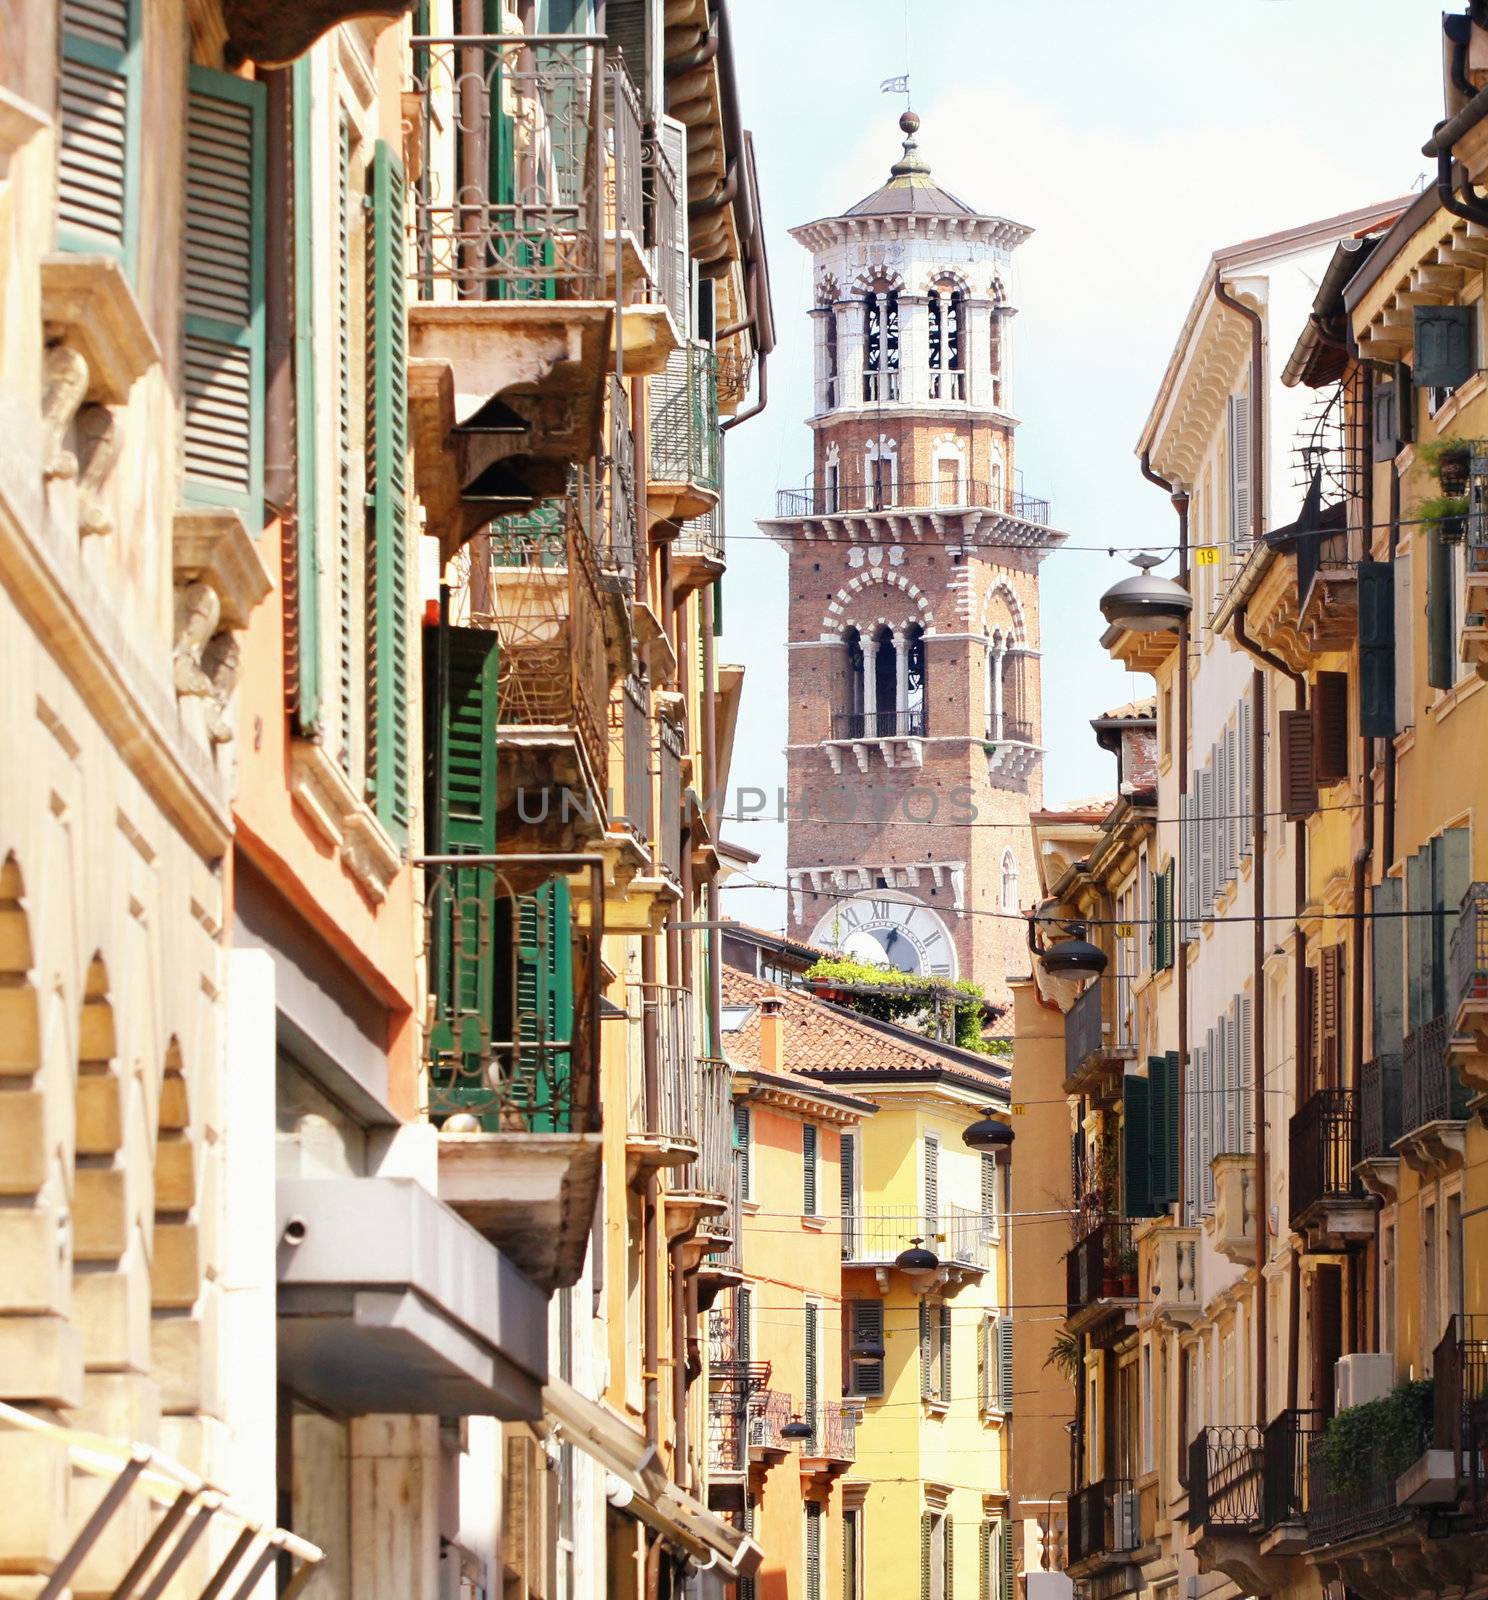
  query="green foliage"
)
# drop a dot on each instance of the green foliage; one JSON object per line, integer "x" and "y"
{"x": 893, "y": 996}
{"x": 1377, "y": 1440}
{"x": 1064, "y": 1357}
{"x": 1432, "y": 452}
{"x": 1442, "y": 507}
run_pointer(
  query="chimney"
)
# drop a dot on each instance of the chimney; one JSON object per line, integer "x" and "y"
{"x": 772, "y": 1027}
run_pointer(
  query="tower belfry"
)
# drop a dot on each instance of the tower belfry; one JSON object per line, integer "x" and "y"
{"x": 915, "y": 730}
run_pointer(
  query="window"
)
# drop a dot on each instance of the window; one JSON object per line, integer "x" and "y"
{"x": 881, "y": 346}
{"x": 1148, "y": 1407}
{"x": 995, "y": 1363}
{"x": 937, "y": 1557}
{"x": 935, "y": 1352}
{"x": 865, "y": 1349}
{"x": 989, "y": 1195}
{"x": 946, "y": 321}
{"x": 98, "y": 165}
{"x": 1387, "y": 1286}
{"x": 813, "y": 1550}
{"x": 996, "y": 1564}
{"x": 1240, "y": 475}
{"x": 932, "y": 1182}
{"x": 1009, "y": 881}
{"x": 812, "y": 1397}
{"x": 809, "y": 1134}
{"x": 829, "y": 356}
{"x": 1430, "y": 1290}
{"x": 1218, "y": 1103}
{"x": 852, "y": 1553}
{"x": 847, "y": 1171}
{"x": 994, "y": 341}
{"x": 744, "y": 1150}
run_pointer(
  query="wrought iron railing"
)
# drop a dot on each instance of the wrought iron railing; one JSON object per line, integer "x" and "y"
{"x": 834, "y": 1432}
{"x": 1084, "y": 1034}
{"x": 769, "y": 1411}
{"x": 830, "y": 499}
{"x": 1284, "y": 1442}
{"x": 668, "y": 845}
{"x": 1470, "y": 948}
{"x": 513, "y": 1042}
{"x": 1101, "y": 1266}
{"x": 907, "y": 724}
{"x": 630, "y": 755}
{"x": 619, "y": 543}
{"x": 668, "y": 1009}
{"x": 1323, "y": 1149}
{"x": 702, "y": 536}
{"x": 665, "y": 226}
{"x": 1379, "y": 1106}
{"x": 1104, "y": 1520}
{"x": 1224, "y": 1477}
{"x": 684, "y": 419}
{"x": 957, "y": 1235}
{"x": 510, "y": 203}
{"x": 625, "y": 204}
{"x": 1343, "y": 1509}
{"x": 728, "y": 1433}
{"x": 1459, "y": 1383}
{"x": 713, "y": 1171}
{"x": 1431, "y": 1090}
{"x": 1016, "y": 730}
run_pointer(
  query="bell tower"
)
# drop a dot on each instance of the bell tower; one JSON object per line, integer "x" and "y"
{"x": 914, "y": 742}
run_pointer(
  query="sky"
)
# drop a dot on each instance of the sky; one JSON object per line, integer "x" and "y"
{"x": 1135, "y": 138}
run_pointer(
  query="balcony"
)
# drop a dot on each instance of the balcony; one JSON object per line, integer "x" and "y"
{"x": 511, "y": 1060}
{"x": 1237, "y": 1476}
{"x": 642, "y": 895}
{"x": 833, "y": 1445}
{"x": 1469, "y": 967}
{"x": 625, "y": 188}
{"x": 698, "y": 557}
{"x": 686, "y": 446}
{"x": 1090, "y": 1067}
{"x": 1454, "y": 1467}
{"x": 893, "y": 495}
{"x": 962, "y": 1241}
{"x": 1104, "y": 1524}
{"x": 700, "y": 1194}
{"x": 534, "y": 580}
{"x": 663, "y": 1121}
{"x": 1174, "y": 1282}
{"x": 1327, "y": 1202}
{"x": 769, "y": 1411}
{"x": 512, "y": 296}
{"x": 1362, "y": 1506}
{"x": 1433, "y": 1100}
{"x": 1284, "y": 1444}
{"x": 1224, "y": 1479}
{"x": 895, "y": 734}
{"x": 1380, "y": 1124}
{"x": 1101, "y": 1279}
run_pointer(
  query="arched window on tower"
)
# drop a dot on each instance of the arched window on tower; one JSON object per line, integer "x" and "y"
{"x": 994, "y": 340}
{"x": 881, "y": 475}
{"x": 883, "y": 694}
{"x": 947, "y": 322}
{"x": 829, "y": 352}
{"x": 1009, "y": 881}
{"x": 881, "y": 345}
{"x": 1017, "y": 714}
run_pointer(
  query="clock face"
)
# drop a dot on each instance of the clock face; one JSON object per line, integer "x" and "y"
{"x": 887, "y": 929}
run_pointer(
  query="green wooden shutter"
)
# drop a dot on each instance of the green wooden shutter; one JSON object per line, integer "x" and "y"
{"x": 948, "y": 1538}
{"x": 847, "y": 1174}
{"x": 1138, "y": 1172}
{"x": 345, "y": 518}
{"x": 945, "y": 1353}
{"x": 1441, "y": 664}
{"x": 1171, "y": 1129}
{"x": 985, "y": 1559}
{"x": 464, "y": 943}
{"x": 1376, "y": 650}
{"x": 866, "y": 1325}
{"x": 813, "y": 1550}
{"x": 927, "y": 1533}
{"x": 812, "y": 1396}
{"x": 1162, "y": 900}
{"x": 1444, "y": 346}
{"x": 1386, "y": 428}
{"x": 989, "y": 1191}
{"x": 307, "y": 410}
{"x": 1418, "y": 935}
{"x": 1387, "y": 936}
{"x": 808, "y": 1169}
{"x": 542, "y": 1084}
{"x": 1005, "y": 1558}
{"x": 984, "y": 1364}
{"x": 223, "y": 293}
{"x": 926, "y": 1391}
{"x": 744, "y": 1323}
{"x": 387, "y": 500}
{"x": 932, "y": 1181}
{"x": 742, "y": 1145}
{"x": 1005, "y": 1363}
{"x": 98, "y": 109}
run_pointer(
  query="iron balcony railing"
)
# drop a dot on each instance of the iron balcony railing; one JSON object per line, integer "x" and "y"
{"x": 1470, "y": 948}
{"x": 1101, "y": 1266}
{"x": 510, "y": 202}
{"x": 685, "y": 441}
{"x": 1104, "y": 1520}
{"x": 1324, "y": 1148}
{"x": 668, "y": 844}
{"x": 834, "y": 1432}
{"x": 666, "y": 229}
{"x": 618, "y": 521}
{"x": 713, "y": 1172}
{"x": 1431, "y": 1090}
{"x": 957, "y": 1235}
{"x": 728, "y": 1433}
{"x": 1084, "y": 1034}
{"x": 832, "y": 499}
{"x": 1341, "y": 1510}
{"x": 726, "y": 1232}
{"x": 702, "y": 536}
{"x": 907, "y": 724}
{"x": 1459, "y": 1392}
{"x": 1379, "y": 1106}
{"x": 625, "y": 188}
{"x": 1016, "y": 730}
{"x": 630, "y": 757}
{"x": 1224, "y": 1478}
{"x": 1284, "y": 1442}
{"x": 668, "y": 1010}
{"x": 513, "y": 1043}
{"x": 769, "y": 1411}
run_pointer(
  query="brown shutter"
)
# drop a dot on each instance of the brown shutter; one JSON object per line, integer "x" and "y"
{"x": 1298, "y": 785}
{"x": 1330, "y": 727}
{"x": 1330, "y": 1016}
{"x": 1307, "y": 1070}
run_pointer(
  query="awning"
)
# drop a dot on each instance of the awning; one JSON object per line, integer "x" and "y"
{"x": 188, "y": 1506}
{"x": 389, "y": 1301}
{"x": 628, "y": 1456}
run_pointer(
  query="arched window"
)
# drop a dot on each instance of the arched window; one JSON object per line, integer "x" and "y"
{"x": 884, "y": 689}
{"x": 1009, "y": 881}
{"x": 881, "y": 474}
{"x": 947, "y": 320}
{"x": 831, "y": 480}
{"x": 829, "y": 355}
{"x": 881, "y": 345}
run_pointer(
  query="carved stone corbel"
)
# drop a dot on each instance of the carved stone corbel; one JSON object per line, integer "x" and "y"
{"x": 63, "y": 392}
{"x": 99, "y": 443}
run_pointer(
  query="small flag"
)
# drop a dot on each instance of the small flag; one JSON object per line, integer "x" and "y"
{"x": 899, "y": 85}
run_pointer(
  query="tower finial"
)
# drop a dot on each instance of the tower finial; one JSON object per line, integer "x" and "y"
{"x": 910, "y": 164}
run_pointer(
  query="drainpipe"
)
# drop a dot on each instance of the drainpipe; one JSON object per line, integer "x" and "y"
{"x": 1180, "y": 957}
{"x": 1362, "y": 858}
{"x": 650, "y": 1247}
{"x": 1258, "y": 825}
{"x": 1387, "y": 844}
{"x": 679, "y": 1281}
{"x": 714, "y": 937}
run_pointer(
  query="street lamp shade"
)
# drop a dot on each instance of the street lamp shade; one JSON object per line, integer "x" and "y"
{"x": 917, "y": 1258}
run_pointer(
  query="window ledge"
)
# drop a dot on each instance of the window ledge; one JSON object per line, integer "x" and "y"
{"x": 88, "y": 304}
{"x": 325, "y": 795}
{"x": 816, "y": 1224}
{"x": 1447, "y": 700}
{"x": 936, "y": 1408}
{"x": 750, "y": 1208}
{"x": 1463, "y": 395}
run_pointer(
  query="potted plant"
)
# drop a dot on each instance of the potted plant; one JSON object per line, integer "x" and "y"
{"x": 1129, "y": 1271}
{"x": 1447, "y": 513}
{"x": 1449, "y": 461}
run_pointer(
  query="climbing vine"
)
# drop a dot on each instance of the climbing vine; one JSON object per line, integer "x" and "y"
{"x": 943, "y": 1008}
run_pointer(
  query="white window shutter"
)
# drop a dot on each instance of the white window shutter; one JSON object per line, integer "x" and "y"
{"x": 1247, "y": 772}
{"x": 1206, "y": 841}
{"x": 1247, "y": 1071}
{"x": 1192, "y": 1185}
{"x": 1239, "y": 442}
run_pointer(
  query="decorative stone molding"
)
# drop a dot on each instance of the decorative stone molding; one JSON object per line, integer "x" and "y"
{"x": 324, "y": 793}
{"x": 219, "y": 579}
{"x": 273, "y": 33}
{"x": 20, "y": 122}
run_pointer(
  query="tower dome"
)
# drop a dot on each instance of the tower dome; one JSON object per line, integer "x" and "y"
{"x": 910, "y": 191}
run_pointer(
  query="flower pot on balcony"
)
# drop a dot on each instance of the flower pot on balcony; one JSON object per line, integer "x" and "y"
{"x": 1128, "y": 1284}
{"x": 1111, "y": 1285}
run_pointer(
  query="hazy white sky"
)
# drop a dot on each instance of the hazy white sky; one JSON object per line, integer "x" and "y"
{"x": 1135, "y": 137}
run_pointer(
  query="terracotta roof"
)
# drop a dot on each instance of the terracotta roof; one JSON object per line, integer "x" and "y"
{"x": 827, "y": 1041}
{"x": 1132, "y": 711}
{"x": 1093, "y": 806}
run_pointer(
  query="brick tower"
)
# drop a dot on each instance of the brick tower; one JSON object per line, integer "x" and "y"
{"x": 914, "y": 721}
